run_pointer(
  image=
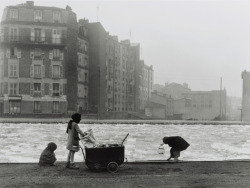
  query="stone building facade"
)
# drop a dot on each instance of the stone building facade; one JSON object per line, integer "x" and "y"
{"x": 33, "y": 59}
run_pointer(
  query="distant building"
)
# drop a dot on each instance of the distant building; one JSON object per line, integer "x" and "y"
{"x": 145, "y": 74}
{"x": 115, "y": 74}
{"x": 246, "y": 96}
{"x": 161, "y": 106}
{"x": 234, "y": 107}
{"x": 83, "y": 67}
{"x": 175, "y": 90}
{"x": 204, "y": 105}
{"x": 182, "y": 109}
{"x": 97, "y": 69}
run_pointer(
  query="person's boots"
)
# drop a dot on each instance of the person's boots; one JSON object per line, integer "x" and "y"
{"x": 68, "y": 164}
{"x": 73, "y": 166}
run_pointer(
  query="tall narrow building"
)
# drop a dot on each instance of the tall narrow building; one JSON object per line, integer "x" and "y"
{"x": 82, "y": 67}
{"x": 245, "y": 113}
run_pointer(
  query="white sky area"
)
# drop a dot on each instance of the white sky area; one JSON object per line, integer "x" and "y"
{"x": 193, "y": 42}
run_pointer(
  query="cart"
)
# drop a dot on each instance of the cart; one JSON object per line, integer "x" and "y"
{"x": 109, "y": 156}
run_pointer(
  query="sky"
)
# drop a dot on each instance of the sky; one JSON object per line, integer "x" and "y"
{"x": 195, "y": 42}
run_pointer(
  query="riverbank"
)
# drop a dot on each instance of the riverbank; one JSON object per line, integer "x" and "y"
{"x": 96, "y": 121}
{"x": 214, "y": 174}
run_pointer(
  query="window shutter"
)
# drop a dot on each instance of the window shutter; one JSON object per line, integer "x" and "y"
{"x": 9, "y": 69}
{"x": 64, "y": 89}
{"x": 61, "y": 56}
{"x": 5, "y": 88}
{"x": 8, "y": 52}
{"x": 42, "y": 88}
{"x": 32, "y": 35}
{"x": 19, "y": 53}
{"x": 17, "y": 70}
{"x": 61, "y": 89}
{"x": 31, "y": 54}
{"x": 61, "y": 71}
{"x": 31, "y": 89}
{"x": 43, "y": 71}
{"x": 43, "y": 35}
{"x": 50, "y": 71}
{"x": 17, "y": 88}
{"x": 32, "y": 70}
{"x": 50, "y": 89}
{"x": 50, "y": 54}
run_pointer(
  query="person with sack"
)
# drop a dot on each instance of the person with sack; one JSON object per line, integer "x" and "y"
{"x": 73, "y": 131}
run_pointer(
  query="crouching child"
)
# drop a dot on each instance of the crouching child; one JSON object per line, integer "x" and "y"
{"x": 48, "y": 157}
{"x": 177, "y": 145}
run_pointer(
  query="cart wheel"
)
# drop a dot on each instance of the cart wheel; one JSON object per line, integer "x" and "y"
{"x": 95, "y": 167}
{"x": 112, "y": 167}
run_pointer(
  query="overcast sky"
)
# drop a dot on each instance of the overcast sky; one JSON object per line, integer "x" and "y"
{"x": 194, "y": 42}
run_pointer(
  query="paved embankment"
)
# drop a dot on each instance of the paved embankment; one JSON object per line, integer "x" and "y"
{"x": 95, "y": 121}
{"x": 228, "y": 174}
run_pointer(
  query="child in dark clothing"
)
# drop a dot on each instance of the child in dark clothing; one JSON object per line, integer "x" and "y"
{"x": 48, "y": 157}
{"x": 177, "y": 145}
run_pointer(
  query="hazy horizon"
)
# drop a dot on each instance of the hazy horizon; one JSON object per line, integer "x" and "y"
{"x": 193, "y": 42}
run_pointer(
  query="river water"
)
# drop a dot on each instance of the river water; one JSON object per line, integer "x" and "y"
{"x": 24, "y": 142}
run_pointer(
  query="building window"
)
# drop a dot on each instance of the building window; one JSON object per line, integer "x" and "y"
{"x": 13, "y": 89}
{"x": 13, "y": 52}
{"x": 57, "y": 16}
{"x": 86, "y": 77}
{"x": 15, "y": 107}
{"x": 37, "y": 71}
{"x": 13, "y": 14}
{"x": 55, "y": 106}
{"x": 37, "y": 89}
{"x": 13, "y": 34}
{"x": 56, "y": 53}
{"x": 12, "y": 70}
{"x": 37, "y": 107}
{"x": 56, "y": 36}
{"x": 86, "y": 92}
{"x": 37, "y": 15}
{"x": 38, "y": 34}
{"x": 56, "y": 91}
{"x": 56, "y": 71}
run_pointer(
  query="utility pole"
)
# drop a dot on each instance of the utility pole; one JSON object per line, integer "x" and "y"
{"x": 220, "y": 98}
{"x": 97, "y": 13}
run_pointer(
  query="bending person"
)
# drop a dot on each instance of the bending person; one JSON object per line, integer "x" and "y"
{"x": 177, "y": 145}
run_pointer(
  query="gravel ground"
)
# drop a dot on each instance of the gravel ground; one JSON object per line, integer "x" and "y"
{"x": 228, "y": 174}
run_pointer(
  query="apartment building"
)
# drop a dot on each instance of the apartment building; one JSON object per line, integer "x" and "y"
{"x": 245, "y": 113}
{"x": 38, "y": 57}
{"x": 130, "y": 64}
{"x": 82, "y": 67}
{"x": 145, "y": 85}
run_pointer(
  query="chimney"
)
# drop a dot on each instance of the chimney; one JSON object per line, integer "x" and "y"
{"x": 30, "y": 3}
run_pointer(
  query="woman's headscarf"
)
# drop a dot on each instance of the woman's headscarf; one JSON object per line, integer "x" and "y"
{"x": 76, "y": 117}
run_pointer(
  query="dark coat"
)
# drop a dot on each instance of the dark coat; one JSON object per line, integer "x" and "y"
{"x": 48, "y": 157}
{"x": 176, "y": 142}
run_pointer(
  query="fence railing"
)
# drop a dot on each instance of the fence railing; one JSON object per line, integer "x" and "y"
{"x": 33, "y": 40}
